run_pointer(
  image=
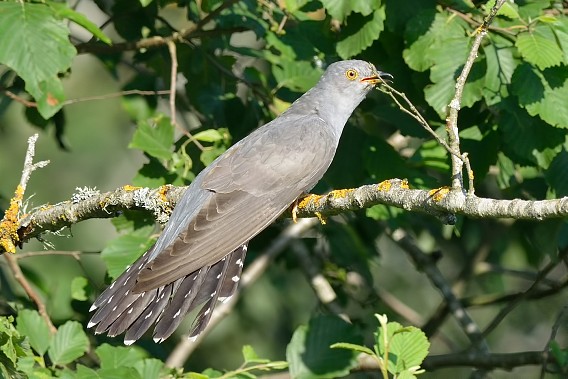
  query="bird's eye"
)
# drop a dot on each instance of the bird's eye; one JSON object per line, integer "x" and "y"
{"x": 351, "y": 74}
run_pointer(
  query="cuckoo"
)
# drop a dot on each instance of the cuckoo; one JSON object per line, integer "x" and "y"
{"x": 198, "y": 258}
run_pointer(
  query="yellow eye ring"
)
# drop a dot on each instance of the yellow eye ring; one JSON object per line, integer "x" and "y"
{"x": 351, "y": 74}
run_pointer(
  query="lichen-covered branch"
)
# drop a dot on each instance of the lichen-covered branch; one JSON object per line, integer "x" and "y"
{"x": 441, "y": 203}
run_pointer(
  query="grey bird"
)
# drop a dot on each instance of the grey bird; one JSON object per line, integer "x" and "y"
{"x": 198, "y": 258}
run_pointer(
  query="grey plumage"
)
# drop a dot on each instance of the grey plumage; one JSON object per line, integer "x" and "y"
{"x": 198, "y": 258}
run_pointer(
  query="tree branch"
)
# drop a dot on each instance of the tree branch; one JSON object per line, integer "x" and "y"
{"x": 11, "y": 223}
{"x": 441, "y": 203}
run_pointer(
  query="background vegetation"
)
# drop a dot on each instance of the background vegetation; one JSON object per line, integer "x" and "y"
{"x": 489, "y": 293}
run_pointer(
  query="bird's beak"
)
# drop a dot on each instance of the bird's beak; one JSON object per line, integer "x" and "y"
{"x": 377, "y": 78}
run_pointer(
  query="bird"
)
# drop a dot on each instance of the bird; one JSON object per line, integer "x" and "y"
{"x": 198, "y": 258}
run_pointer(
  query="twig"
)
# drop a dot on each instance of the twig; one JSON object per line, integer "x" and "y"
{"x": 11, "y": 223}
{"x": 27, "y": 103}
{"x": 116, "y": 94}
{"x": 507, "y": 361}
{"x": 321, "y": 286}
{"x": 186, "y": 346}
{"x": 546, "y": 351}
{"x": 513, "y": 304}
{"x": 425, "y": 264}
{"x": 193, "y": 31}
{"x": 455, "y": 103}
{"x": 32, "y": 294}
{"x": 173, "y": 81}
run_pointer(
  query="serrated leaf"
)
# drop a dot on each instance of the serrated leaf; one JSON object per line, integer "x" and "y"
{"x": 340, "y": 9}
{"x": 362, "y": 35}
{"x": 421, "y": 33}
{"x": 297, "y": 76}
{"x": 118, "y": 356}
{"x": 209, "y": 135}
{"x": 63, "y": 11}
{"x": 35, "y": 44}
{"x": 124, "y": 250}
{"x": 501, "y": 65}
{"x": 309, "y": 354}
{"x": 69, "y": 343}
{"x": 557, "y": 174}
{"x": 540, "y": 48}
{"x": 552, "y": 108}
{"x": 407, "y": 346}
{"x": 156, "y": 140}
{"x": 32, "y": 325}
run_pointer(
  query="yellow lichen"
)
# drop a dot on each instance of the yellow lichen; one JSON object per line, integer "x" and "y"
{"x": 163, "y": 191}
{"x": 129, "y": 188}
{"x": 404, "y": 184}
{"x": 384, "y": 186}
{"x": 10, "y": 224}
{"x": 305, "y": 201}
{"x": 341, "y": 194}
{"x": 321, "y": 218}
{"x": 438, "y": 194}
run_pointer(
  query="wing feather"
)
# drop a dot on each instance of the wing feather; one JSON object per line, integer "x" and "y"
{"x": 250, "y": 186}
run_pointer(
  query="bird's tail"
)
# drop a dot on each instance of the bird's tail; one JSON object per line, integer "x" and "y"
{"x": 119, "y": 309}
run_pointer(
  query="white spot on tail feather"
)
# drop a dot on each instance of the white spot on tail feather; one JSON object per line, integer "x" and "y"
{"x": 235, "y": 278}
{"x": 177, "y": 313}
{"x": 187, "y": 294}
{"x": 91, "y": 324}
{"x": 112, "y": 285}
{"x": 129, "y": 342}
{"x": 148, "y": 315}
{"x": 213, "y": 294}
{"x": 207, "y": 311}
{"x": 93, "y": 307}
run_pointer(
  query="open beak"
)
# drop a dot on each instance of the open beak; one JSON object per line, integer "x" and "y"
{"x": 377, "y": 78}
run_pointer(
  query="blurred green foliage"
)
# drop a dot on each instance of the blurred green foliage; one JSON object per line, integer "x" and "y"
{"x": 239, "y": 71}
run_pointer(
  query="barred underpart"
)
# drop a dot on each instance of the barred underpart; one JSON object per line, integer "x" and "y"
{"x": 119, "y": 309}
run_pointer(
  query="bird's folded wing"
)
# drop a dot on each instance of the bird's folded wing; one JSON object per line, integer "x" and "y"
{"x": 249, "y": 188}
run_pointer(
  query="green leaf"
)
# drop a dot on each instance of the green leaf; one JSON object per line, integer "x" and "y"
{"x": 543, "y": 94}
{"x": 249, "y": 354}
{"x": 29, "y": 34}
{"x": 78, "y": 288}
{"x": 340, "y": 9}
{"x": 354, "y": 347}
{"x": 63, "y": 11}
{"x": 297, "y": 76}
{"x": 149, "y": 368}
{"x": 69, "y": 343}
{"x": 13, "y": 347}
{"x": 557, "y": 174}
{"x": 124, "y": 250}
{"x": 118, "y": 356}
{"x": 361, "y": 33}
{"x": 209, "y": 135}
{"x": 407, "y": 346}
{"x": 420, "y": 34}
{"x": 540, "y": 48}
{"x": 501, "y": 65}
{"x": 32, "y": 325}
{"x": 156, "y": 139}
{"x": 309, "y": 354}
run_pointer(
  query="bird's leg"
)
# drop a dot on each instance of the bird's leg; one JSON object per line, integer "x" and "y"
{"x": 295, "y": 206}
